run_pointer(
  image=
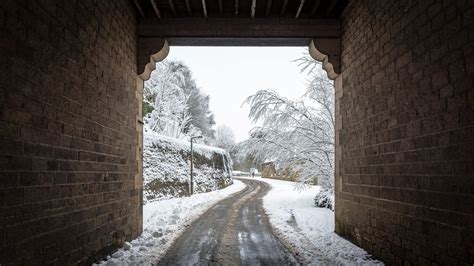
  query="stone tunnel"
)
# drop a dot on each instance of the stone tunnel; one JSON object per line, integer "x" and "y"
{"x": 71, "y": 130}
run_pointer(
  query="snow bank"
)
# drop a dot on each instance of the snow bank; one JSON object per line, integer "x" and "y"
{"x": 163, "y": 222}
{"x": 309, "y": 230}
{"x": 166, "y": 167}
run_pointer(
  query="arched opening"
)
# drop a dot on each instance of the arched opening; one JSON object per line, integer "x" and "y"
{"x": 328, "y": 64}
{"x": 158, "y": 49}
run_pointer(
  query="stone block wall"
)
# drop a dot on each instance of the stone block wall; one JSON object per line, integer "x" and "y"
{"x": 68, "y": 130}
{"x": 405, "y": 168}
{"x": 167, "y": 163}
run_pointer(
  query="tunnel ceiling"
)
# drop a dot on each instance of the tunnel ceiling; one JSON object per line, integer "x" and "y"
{"x": 295, "y": 9}
{"x": 239, "y": 22}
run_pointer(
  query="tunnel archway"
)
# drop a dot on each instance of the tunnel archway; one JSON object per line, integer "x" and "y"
{"x": 71, "y": 126}
{"x": 155, "y": 50}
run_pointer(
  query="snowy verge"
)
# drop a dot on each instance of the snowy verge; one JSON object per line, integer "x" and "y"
{"x": 309, "y": 230}
{"x": 151, "y": 137}
{"x": 163, "y": 222}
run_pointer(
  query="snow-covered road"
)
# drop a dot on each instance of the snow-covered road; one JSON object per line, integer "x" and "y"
{"x": 163, "y": 222}
{"x": 235, "y": 231}
{"x": 306, "y": 229}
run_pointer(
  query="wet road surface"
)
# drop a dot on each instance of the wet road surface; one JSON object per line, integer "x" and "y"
{"x": 235, "y": 231}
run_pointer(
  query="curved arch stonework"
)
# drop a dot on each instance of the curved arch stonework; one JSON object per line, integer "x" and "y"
{"x": 327, "y": 51}
{"x": 150, "y": 52}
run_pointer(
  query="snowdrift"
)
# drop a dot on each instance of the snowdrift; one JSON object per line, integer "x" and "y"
{"x": 166, "y": 167}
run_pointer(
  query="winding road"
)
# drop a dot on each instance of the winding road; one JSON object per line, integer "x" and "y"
{"x": 235, "y": 231}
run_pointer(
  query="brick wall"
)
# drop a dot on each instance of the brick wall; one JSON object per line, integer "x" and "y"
{"x": 405, "y": 172}
{"x": 68, "y": 130}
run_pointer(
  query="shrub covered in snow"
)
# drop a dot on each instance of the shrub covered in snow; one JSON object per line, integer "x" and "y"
{"x": 166, "y": 167}
{"x": 325, "y": 199}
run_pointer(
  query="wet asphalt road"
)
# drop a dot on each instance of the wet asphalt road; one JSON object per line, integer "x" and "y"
{"x": 235, "y": 231}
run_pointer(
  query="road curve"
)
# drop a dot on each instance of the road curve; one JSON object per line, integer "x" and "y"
{"x": 235, "y": 231}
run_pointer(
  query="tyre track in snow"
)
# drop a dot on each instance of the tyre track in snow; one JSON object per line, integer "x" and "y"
{"x": 235, "y": 231}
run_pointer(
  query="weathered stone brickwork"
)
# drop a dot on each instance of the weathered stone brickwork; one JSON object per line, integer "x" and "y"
{"x": 405, "y": 176}
{"x": 68, "y": 130}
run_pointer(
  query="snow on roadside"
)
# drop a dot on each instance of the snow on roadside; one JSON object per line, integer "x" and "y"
{"x": 309, "y": 230}
{"x": 163, "y": 222}
{"x": 151, "y": 137}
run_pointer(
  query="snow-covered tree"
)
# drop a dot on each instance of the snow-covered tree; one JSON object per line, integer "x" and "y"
{"x": 297, "y": 134}
{"x": 225, "y": 138}
{"x": 173, "y": 105}
{"x": 202, "y": 117}
{"x": 164, "y": 93}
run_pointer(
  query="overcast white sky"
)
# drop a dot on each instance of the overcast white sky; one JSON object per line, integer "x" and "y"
{"x": 230, "y": 74}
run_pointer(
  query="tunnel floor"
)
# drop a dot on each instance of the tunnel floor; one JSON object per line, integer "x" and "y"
{"x": 235, "y": 231}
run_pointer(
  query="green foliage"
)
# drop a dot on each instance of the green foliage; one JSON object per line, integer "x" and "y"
{"x": 147, "y": 108}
